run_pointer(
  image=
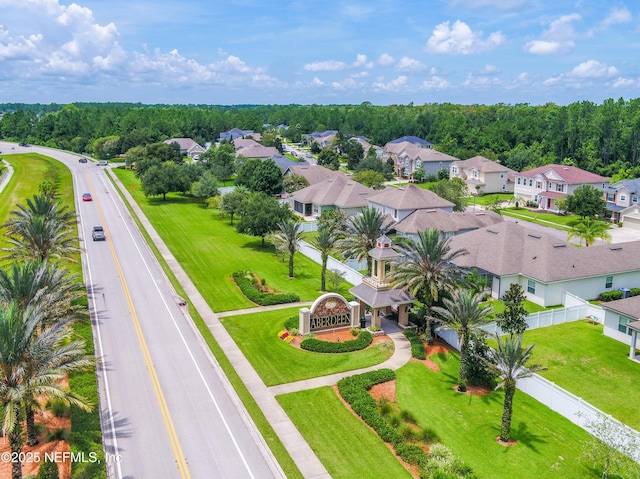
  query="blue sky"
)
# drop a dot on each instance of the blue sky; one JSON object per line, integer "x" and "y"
{"x": 381, "y": 51}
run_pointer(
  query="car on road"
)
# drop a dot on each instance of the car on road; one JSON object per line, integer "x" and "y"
{"x": 98, "y": 234}
{"x": 87, "y": 197}
{"x": 82, "y": 160}
{"x": 103, "y": 163}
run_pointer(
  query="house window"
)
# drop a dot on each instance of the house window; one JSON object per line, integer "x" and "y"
{"x": 418, "y": 164}
{"x": 549, "y": 185}
{"x": 501, "y": 175}
{"x": 622, "y": 325}
{"x": 611, "y": 197}
{"x": 530, "y": 182}
{"x": 623, "y": 197}
{"x": 454, "y": 169}
{"x": 504, "y": 187}
{"x": 531, "y": 286}
{"x": 518, "y": 180}
{"x": 475, "y": 173}
{"x": 395, "y": 213}
{"x": 538, "y": 184}
{"x": 560, "y": 187}
{"x": 634, "y": 199}
{"x": 608, "y": 282}
{"x": 535, "y": 198}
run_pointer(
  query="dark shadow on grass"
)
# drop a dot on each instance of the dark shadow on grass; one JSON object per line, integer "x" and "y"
{"x": 172, "y": 198}
{"x": 526, "y": 437}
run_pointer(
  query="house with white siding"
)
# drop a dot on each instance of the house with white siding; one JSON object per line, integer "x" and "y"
{"x": 483, "y": 175}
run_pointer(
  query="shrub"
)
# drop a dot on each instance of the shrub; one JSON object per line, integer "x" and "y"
{"x": 428, "y": 435}
{"x": 60, "y": 434}
{"x": 610, "y": 296}
{"x": 363, "y": 340}
{"x": 292, "y": 322}
{"x": 634, "y": 291}
{"x": 384, "y": 406}
{"x": 407, "y": 416}
{"x": 250, "y": 288}
{"x": 58, "y": 408}
{"x": 355, "y": 331}
{"x": 48, "y": 470}
{"x": 417, "y": 346}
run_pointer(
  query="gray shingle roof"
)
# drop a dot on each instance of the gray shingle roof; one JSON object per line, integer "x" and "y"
{"x": 420, "y": 220}
{"x": 410, "y": 197}
{"x": 378, "y": 299}
{"x": 340, "y": 191}
{"x": 314, "y": 173}
{"x": 508, "y": 248}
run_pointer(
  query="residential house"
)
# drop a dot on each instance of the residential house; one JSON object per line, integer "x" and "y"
{"x": 622, "y": 322}
{"x": 313, "y": 173}
{"x": 449, "y": 224}
{"x": 285, "y": 163}
{"x": 188, "y": 147}
{"x": 414, "y": 140}
{"x": 401, "y": 202}
{"x": 257, "y": 150}
{"x": 238, "y": 133}
{"x": 622, "y": 202}
{"x": 366, "y": 146}
{"x": 483, "y": 175}
{"x": 322, "y": 138}
{"x": 339, "y": 192}
{"x": 545, "y": 266}
{"x": 408, "y": 157}
{"x": 546, "y": 184}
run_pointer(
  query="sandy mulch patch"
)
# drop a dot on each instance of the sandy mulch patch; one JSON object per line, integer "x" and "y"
{"x": 474, "y": 390}
{"x": 509, "y": 443}
{"x": 436, "y": 348}
{"x": 51, "y": 423}
{"x": 384, "y": 390}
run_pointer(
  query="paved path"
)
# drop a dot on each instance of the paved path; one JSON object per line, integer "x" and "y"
{"x": 302, "y": 454}
{"x": 259, "y": 309}
{"x": 7, "y": 176}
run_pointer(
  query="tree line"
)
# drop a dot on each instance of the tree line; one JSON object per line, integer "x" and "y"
{"x": 603, "y": 138}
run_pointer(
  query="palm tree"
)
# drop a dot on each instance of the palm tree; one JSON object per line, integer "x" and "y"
{"x": 323, "y": 243}
{"x": 360, "y": 234}
{"x": 424, "y": 266}
{"x": 509, "y": 362}
{"x": 424, "y": 269}
{"x": 464, "y": 314}
{"x": 290, "y": 235}
{"x": 50, "y": 288}
{"x": 589, "y": 230}
{"x": 32, "y": 364}
{"x": 40, "y": 230}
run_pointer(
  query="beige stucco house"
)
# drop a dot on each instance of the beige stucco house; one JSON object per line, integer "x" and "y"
{"x": 483, "y": 175}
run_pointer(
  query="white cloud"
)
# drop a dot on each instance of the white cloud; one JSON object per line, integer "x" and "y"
{"x": 326, "y": 66}
{"x": 553, "y": 80}
{"x": 616, "y": 16}
{"x": 489, "y": 70}
{"x": 435, "y": 83}
{"x": 345, "y": 84}
{"x": 361, "y": 62}
{"x": 406, "y": 64}
{"x": 624, "y": 83}
{"x": 317, "y": 82}
{"x": 386, "y": 60}
{"x": 557, "y": 38}
{"x": 593, "y": 69}
{"x": 361, "y": 74}
{"x": 481, "y": 81}
{"x": 500, "y": 5}
{"x": 393, "y": 85}
{"x": 459, "y": 39}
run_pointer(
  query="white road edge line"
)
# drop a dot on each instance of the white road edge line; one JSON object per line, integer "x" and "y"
{"x": 100, "y": 347}
{"x": 173, "y": 319}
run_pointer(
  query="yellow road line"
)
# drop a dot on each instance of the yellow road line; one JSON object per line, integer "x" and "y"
{"x": 166, "y": 415}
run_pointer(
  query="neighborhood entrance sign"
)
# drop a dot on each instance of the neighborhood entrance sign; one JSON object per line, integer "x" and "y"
{"x": 329, "y": 311}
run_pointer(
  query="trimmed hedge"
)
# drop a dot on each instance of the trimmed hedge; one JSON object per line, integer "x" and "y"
{"x": 417, "y": 346}
{"x": 363, "y": 340}
{"x": 610, "y": 296}
{"x": 263, "y": 299}
{"x": 354, "y": 390}
{"x": 291, "y": 323}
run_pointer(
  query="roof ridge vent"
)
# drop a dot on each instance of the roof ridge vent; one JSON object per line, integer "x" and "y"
{"x": 534, "y": 236}
{"x": 615, "y": 248}
{"x": 492, "y": 231}
{"x": 559, "y": 245}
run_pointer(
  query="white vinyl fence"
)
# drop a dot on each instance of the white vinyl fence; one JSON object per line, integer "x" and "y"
{"x": 351, "y": 275}
{"x": 550, "y": 394}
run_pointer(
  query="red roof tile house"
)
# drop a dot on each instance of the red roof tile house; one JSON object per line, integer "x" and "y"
{"x": 544, "y": 185}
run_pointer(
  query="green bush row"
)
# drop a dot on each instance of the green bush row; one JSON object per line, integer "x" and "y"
{"x": 258, "y": 297}
{"x": 353, "y": 389}
{"x": 613, "y": 295}
{"x": 417, "y": 346}
{"x": 362, "y": 341}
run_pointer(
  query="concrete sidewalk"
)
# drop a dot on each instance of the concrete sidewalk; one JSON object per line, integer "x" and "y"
{"x": 300, "y": 451}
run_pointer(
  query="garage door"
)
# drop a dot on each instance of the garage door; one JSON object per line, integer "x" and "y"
{"x": 631, "y": 222}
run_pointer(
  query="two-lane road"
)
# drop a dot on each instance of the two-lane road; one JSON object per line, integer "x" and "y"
{"x": 167, "y": 410}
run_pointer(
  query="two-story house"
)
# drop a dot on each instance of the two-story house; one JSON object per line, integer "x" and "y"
{"x": 622, "y": 202}
{"x": 408, "y": 157}
{"x": 401, "y": 202}
{"x": 546, "y": 184}
{"x": 238, "y": 133}
{"x": 322, "y": 138}
{"x": 483, "y": 175}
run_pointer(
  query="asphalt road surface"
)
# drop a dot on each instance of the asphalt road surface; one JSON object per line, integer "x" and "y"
{"x": 167, "y": 410}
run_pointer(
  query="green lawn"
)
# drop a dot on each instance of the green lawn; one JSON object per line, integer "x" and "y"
{"x": 548, "y": 445}
{"x": 592, "y": 366}
{"x": 546, "y": 219}
{"x": 346, "y": 446}
{"x": 278, "y": 362}
{"x": 210, "y": 250}
{"x": 498, "y": 306}
{"x": 490, "y": 198}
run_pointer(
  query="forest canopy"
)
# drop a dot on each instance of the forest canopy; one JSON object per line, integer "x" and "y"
{"x": 603, "y": 138}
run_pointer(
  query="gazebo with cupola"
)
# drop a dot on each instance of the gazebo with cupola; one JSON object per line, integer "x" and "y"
{"x": 376, "y": 294}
